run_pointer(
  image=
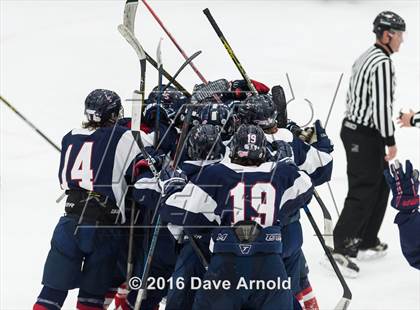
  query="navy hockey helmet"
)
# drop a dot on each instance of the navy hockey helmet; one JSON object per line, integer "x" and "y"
{"x": 249, "y": 142}
{"x": 388, "y": 20}
{"x": 102, "y": 105}
{"x": 219, "y": 115}
{"x": 204, "y": 142}
{"x": 258, "y": 110}
{"x": 172, "y": 100}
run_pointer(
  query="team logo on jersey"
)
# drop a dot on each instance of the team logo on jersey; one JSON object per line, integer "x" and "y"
{"x": 273, "y": 237}
{"x": 245, "y": 248}
{"x": 221, "y": 237}
{"x": 69, "y": 205}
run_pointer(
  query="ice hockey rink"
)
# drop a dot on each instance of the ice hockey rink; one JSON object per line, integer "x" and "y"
{"x": 53, "y": 53}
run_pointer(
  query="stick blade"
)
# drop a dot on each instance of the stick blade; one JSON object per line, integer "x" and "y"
{"x": 343, "y": 304}
{"x": 129, "y": 17}
{"x": 132, "y": 40}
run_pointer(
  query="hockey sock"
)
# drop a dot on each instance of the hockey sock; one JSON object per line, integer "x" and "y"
{"x": 50, "y": 299}
{"x": 109, "y": 297}
{"x": 121, "y": 297}
{"x": 309, "y": 299}
{"x": 87, "y": 301}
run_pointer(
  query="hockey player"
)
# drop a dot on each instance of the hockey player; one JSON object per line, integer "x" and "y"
{"x": 96, "y": 162}
{"x": 204, "y": 148}
{"x": 219, "y": 115}
{"x": 405, "y": 199}
{"x": 245, "y": 202}
{"x": 316, "y": 162}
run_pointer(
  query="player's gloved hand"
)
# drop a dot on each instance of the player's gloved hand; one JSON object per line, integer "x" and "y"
{"x": 293, "y": 127}
{"x": 282, "y": 148}
{"x": 240, "y": 89}
{"x": 157, "y": 158}
{"x": 322, "y": 143}
{"x": 404, "y": 186}
{"x": 171, "y": 180}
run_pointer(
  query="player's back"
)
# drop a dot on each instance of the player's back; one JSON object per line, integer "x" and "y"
{"x": 261, "y": 193}
{"x": 97, "y": 160}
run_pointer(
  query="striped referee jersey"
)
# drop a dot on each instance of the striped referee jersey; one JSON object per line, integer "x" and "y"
{"x": 370, "y": 95}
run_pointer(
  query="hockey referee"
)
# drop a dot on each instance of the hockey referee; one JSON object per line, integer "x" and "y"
{"x": 368, "y": 137}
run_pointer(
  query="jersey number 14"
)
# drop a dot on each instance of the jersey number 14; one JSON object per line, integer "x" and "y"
{"x": 82, "y": 167}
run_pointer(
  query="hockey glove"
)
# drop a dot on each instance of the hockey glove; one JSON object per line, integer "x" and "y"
{"x": 281, "y": 105}
{"x": 240, "y": 89}
{"x": 141, "y": 164}
{"x": 322, "y": 142}
{"x": 282, "y": 148}
{"x": 207, "y": 91}
{"x": 404, "y": 186}
{"x": 304, "y": 135}
{"x": 171, "y": 180}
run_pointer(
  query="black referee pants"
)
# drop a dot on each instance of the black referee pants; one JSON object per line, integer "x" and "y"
{"x": 367, "y": 197}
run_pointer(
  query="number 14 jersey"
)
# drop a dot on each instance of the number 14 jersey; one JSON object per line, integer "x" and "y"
{"x": 99, "y": 160}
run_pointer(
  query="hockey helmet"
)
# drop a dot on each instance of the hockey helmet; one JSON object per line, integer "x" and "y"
{"x": 102, "y": 105}
{"x": 258, "y": 110}
{"x": 219, "y": 115}
{"x": 388, "y": 20}
{"x": 204, "y": 142}
{"x": 249, "y": 142}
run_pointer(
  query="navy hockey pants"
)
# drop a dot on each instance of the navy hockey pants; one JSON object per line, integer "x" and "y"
{"x": 187, "y": 265}
{"x": 81, "y": 256}
{"x": 292, "y": 253}
{"x": 224, "y": 266}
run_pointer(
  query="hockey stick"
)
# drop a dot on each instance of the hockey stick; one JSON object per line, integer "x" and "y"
{"x": 157, "y": 116}
{"x": 130, "y": 10}
{"x": 325, "y": 126}
{"x": 186, "y": 62}
{"x": 132, "y": 40}
{"x": 200, "y": 76}
{"x": 347, "y": 295}
{"x": 126, "y": 30}
{"x": 29, "y": 123}
{"x": 136, "y": 121}
{"x": 229, "y": 50}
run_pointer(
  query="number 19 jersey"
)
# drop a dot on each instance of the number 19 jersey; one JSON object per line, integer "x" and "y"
{"x": 228, "y": 193}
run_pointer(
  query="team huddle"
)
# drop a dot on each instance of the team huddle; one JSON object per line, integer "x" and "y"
{"x": 226, "y": 209}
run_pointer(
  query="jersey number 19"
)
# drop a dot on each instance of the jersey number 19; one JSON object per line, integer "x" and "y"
{"x": 260, "y": 206}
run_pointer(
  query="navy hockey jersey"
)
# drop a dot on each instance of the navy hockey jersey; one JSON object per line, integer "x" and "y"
{"x": 226, "y": 193}
{"x": 99, "y": 160}
{"x": 317, "y": 164}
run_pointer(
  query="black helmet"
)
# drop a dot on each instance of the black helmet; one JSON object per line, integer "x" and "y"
{"x": 249, "y": 142}
{"x": 388, "y": 20}
{"x": 172, "y": 100}
{"x": 218, "y": 114}
{"x": 258, "y": 110}
{"x": 204, "y": 142}
{"x": 101, "y": 105}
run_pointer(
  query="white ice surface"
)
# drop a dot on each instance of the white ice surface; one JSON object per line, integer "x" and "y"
{"x": 53, "y": 53}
